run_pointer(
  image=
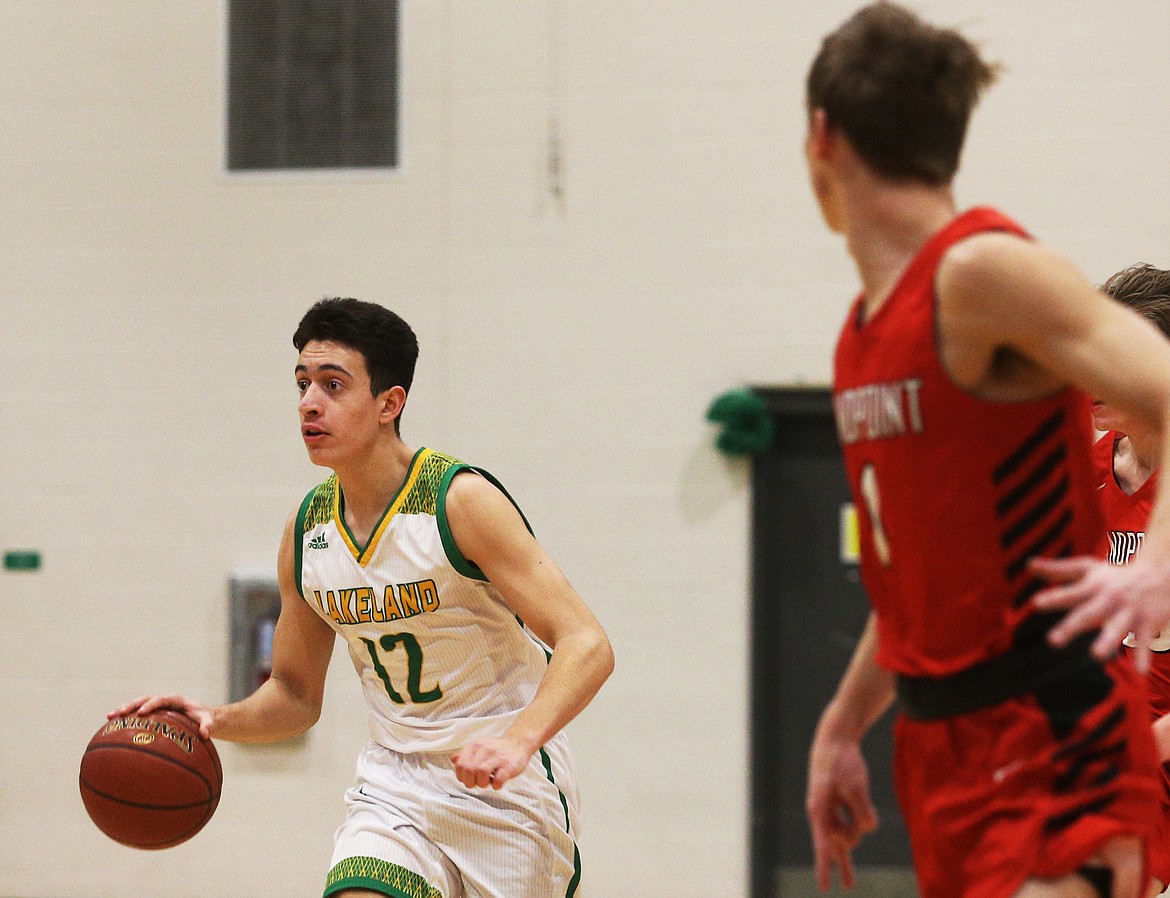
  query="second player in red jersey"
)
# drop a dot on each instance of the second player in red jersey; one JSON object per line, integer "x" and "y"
{"x": 1126, "y": 476}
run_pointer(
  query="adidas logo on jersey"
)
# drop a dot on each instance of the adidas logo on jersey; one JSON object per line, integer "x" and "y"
{"x": 318, "y": 542}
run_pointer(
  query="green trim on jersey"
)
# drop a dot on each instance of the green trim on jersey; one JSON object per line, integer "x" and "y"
{"x": 363, "y": 553}
{"x": 461, "y": 564}
{"x": 426, "y": 494}
{"x": 378, "y": 876}
{"x": 576, "y": 880}
{"x": 316, "y": 508}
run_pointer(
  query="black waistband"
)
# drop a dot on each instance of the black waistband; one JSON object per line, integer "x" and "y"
{"x": 991, "y": 682}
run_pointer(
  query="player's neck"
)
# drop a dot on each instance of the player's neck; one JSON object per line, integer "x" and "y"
{"x": 887, "y": 223}
{"x": 370, "y": 483}
{"x": 1133, "y": 463}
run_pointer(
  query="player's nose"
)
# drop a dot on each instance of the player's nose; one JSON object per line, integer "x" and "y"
{"x": 309, "y": 402}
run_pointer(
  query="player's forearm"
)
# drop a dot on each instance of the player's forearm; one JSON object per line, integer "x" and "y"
{"x": 271, "y": 713}
{"x": 580, "y": 663}
{"x": 865, "y": 691}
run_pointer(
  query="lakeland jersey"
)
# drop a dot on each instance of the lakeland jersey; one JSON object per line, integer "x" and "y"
{"x": 441, "y": 657}
{"x": 954, "y": 493}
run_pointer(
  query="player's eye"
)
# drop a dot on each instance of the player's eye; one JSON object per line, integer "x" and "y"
{"x": 302, "y": 385}
{"x": 334, "y": 385}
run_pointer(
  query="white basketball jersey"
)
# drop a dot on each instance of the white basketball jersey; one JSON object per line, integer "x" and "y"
{"x": 442, "y": 659}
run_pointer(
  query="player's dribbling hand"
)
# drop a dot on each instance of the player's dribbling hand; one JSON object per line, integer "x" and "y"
{"x": 840, "y": 811}
{"x": 1114, "y": 599}
{"x": 144, "y": 704}
{"x": 490, "y": 762}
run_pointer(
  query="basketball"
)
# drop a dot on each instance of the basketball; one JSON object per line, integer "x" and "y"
{"x": 150, "y": 781}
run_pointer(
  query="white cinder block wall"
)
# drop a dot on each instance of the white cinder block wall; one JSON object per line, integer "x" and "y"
{"x": 570, "y": 345}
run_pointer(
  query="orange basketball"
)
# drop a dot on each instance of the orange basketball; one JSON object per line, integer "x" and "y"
{"x": 150, "y": 781}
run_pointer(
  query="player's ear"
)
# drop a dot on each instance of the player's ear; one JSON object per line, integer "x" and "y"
{"x": 820, "y": 134}
{"x": 392, "y": 402}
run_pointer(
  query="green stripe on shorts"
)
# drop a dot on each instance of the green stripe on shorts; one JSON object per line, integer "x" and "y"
{"x": 576, "y": 880}
{"x": 378, "y": 876}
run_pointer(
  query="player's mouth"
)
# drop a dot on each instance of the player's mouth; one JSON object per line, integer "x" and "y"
{"x": 312, "y": 434}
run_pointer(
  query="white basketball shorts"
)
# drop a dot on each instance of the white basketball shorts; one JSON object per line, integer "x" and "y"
{"x": 412, "y": 830}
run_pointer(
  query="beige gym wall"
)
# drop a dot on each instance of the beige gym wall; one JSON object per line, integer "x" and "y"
{"x": 570, "y": 344}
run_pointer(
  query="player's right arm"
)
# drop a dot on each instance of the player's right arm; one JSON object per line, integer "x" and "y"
{"x": 840, "y": 810}
{"x": 289, "y": 702}
{"x": 1002, "y": 297}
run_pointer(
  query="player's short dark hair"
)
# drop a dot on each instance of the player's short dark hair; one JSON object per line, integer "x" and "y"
{"x": 1146, "y": 290}
{"x": 386, "y": 342}
{"x": 900, "y": 90}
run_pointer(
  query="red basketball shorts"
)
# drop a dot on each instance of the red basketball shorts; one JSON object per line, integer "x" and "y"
{"x": 1158, "y": 689}
{"x": 1031, "y": 787}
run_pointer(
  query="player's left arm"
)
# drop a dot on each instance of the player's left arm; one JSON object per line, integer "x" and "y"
{"x": 490, "y": 532}
{"x": 997, "y": 293}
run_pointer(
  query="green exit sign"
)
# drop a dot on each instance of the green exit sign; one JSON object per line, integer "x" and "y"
{"x": 22, "y": 560}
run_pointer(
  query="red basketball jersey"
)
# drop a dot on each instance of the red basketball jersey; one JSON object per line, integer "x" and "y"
{"x": 954, "y": 493}
{"x": 1125, "y": 515}
{"x": 1125, "y": 525}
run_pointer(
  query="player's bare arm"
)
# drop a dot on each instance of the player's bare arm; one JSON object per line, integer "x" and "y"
{"x": 490, "y": 532}
{"x": 1017, "y": 321}
{"x": 838, "y": 804}
{"x": 289, "y": 702}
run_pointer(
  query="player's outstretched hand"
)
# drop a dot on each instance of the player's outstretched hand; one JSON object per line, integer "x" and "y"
{"x": 144, "y": 704}
{"x": 840, "y": 810}
{"x": 1117, "y": 600}
{"x": 490, "y": 762}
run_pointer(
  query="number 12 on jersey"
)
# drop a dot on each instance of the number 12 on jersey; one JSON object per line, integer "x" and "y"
{"x": 414, "y": 663}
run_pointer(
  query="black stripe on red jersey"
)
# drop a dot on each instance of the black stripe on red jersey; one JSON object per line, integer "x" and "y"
{"x": 1064, "y": 820}
{"x": 1042, "y": 469}
{"x": 1038, "y": 437}
{"x": 1096, "y": 734}
{"x": 1037, "y": 513}
{"x": 1091, "y": 760}
{"x": 1071, "y": 777}
{"x": 1042, "y": 545}
{"x": 1030, "y": 589}
{"x": 1033, "y": 485}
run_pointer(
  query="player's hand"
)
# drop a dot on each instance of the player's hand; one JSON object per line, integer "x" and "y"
{"x": 144, "y": 704}
{"x": 490, "y": 762}
{"x": 1134, "y": 598}
{"x": 840, "y": 810}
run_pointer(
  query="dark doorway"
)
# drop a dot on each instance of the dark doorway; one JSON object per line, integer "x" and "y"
{"x": 808, "y": 611}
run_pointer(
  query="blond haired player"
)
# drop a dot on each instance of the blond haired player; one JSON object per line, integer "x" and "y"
{"x": 472, "y": 648}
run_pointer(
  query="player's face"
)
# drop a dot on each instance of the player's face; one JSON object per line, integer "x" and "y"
{"x": 339, "y": 418}
{"x": 1106, "y": 417}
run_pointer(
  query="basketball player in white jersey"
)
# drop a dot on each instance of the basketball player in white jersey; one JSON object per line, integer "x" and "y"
{"x": 473, "y": 649}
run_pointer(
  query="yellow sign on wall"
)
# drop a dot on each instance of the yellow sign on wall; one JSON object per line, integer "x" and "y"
{"x": 850, "y": 535}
